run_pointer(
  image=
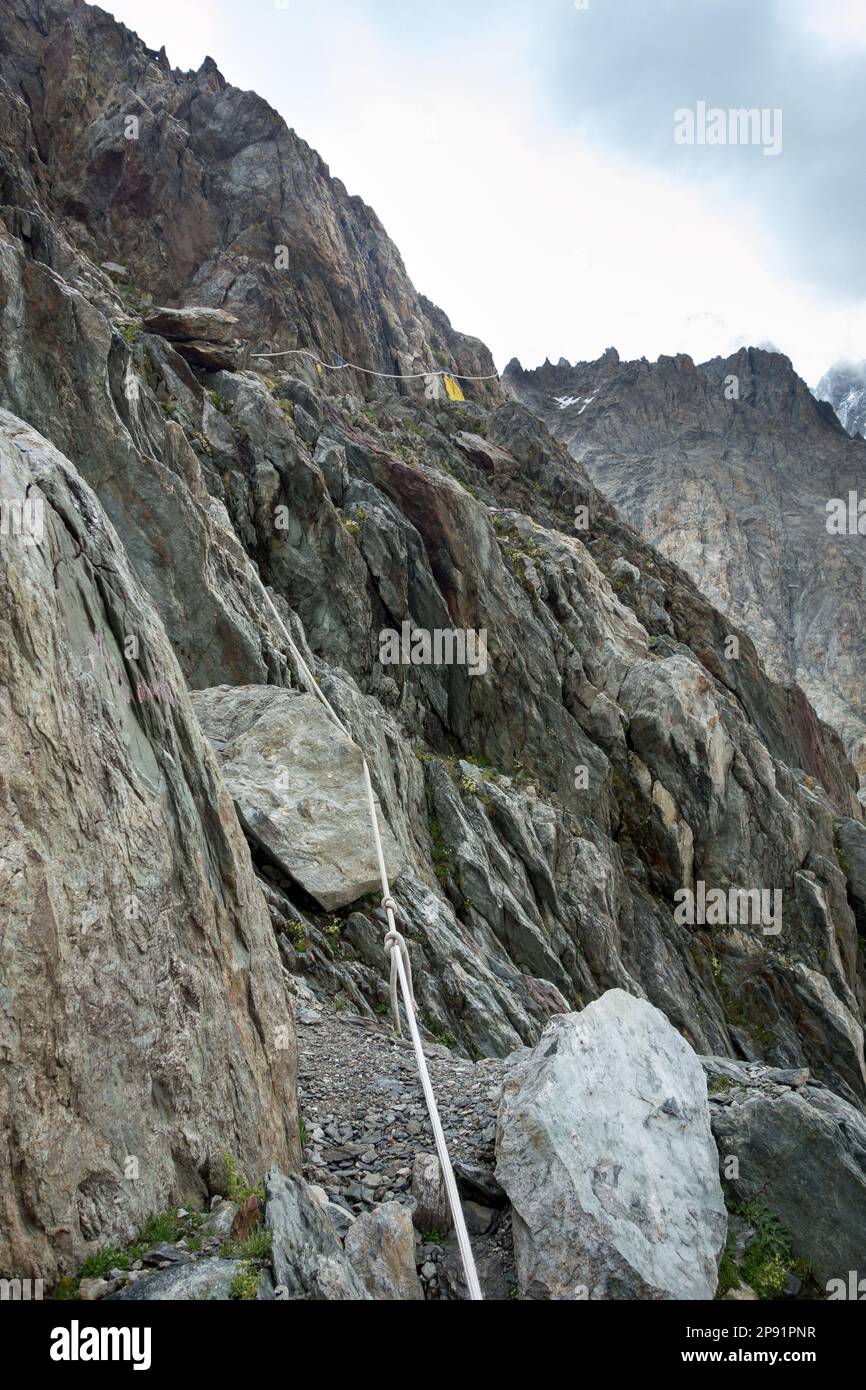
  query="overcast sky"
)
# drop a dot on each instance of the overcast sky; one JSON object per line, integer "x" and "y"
{"x": 522, "y": 155}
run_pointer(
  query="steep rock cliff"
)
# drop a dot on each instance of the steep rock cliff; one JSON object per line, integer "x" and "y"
{"x": 728, "y": 468}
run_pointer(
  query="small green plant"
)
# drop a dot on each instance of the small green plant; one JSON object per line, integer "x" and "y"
{"x": 482, "y": 764}
{"x": 245, "y": 1285}
{"x": 203, "y": 443}
{"x": 130, "y": 331}
{"x": 162, "y": 1229}
{"x": 441, "y": 854}
{"x": 298, "y": 937}
{"x": 98, "y": 1266}
{"x": 257, "y": 1246}
{"x": 729, "y": 1275}
{"x": 434, "y": 1237}
{"x": 842, "y": 861}
{"x": 220, "y": 403}
{"x": 66, "y": 1289}
{"x": 303, "y": 1133}
{"x": 769, "y": 1258}
{"x": 237, "y": 1188}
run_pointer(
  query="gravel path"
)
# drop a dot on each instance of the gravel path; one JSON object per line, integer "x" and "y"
{"x": 365, "y": 1121}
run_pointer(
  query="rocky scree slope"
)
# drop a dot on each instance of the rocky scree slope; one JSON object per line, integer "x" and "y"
{"x": 543, "y": 815}
{"x": 734, "y": 487}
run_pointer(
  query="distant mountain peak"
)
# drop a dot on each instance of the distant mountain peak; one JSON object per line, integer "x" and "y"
{"x": 844, "y": 386}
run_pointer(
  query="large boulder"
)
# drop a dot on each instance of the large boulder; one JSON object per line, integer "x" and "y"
{"x": 800, "y": 1152}
{"x": 381, "y": 1248}
{"x": 299, "y": 788}
{"x": 144, "y": 1028}
{"x": 604, "y": 1147}
{"x": 202, "y": 1281}
{"x": 307, "y": 1257}
{"x": 193, "y": 323}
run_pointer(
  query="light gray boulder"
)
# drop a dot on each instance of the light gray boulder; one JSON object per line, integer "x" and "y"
{"x": 381, "y": 1248}
{"x": 299, "y": 789}
{"x": 605, "y": 1150}
{"x": 307, "y": 1257}
{"x": 204, "y": 1280}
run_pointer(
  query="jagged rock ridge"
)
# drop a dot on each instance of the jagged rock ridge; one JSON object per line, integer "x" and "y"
{"x": 728, "y": 468}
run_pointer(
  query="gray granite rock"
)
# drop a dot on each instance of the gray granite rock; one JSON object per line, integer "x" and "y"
{"x": 307, "y": 1258}
{"x": 204, "y": 1280}
{"x": 299, "y": 788}
{"x": 381, "y": 1248}
{"x": 604, "y": 1148}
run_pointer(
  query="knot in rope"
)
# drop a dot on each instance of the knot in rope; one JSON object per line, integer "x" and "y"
{"x": 395, "y": 946}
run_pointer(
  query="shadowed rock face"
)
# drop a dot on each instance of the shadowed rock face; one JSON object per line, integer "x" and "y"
{"x": 141, "y": 998}
{"x": 801, "y": 1154}
{"x": 728, "y": 469}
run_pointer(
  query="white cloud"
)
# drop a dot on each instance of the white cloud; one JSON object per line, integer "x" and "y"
{"x": 840, "y": 23}
{"x": 190, "y": 29}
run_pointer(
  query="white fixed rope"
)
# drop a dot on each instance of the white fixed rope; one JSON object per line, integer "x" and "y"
{"x": 401, "y": 971}
{"x": 351, "y": 367}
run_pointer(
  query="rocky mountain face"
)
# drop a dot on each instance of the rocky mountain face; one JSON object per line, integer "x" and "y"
{"x": 844, "y": 386}
{"x": 566, "y": 754}
{"x": 204, "y": 196}
{"x": 142, "y": 999}
{"x": 728, "y": 468}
